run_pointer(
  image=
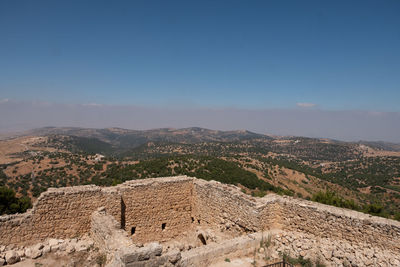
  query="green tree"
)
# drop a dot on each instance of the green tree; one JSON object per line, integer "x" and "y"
{"x": 10, "y": 204}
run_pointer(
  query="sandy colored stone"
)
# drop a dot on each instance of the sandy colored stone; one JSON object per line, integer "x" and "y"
{"x": 12, "y": 257}
{"x": 162, "y": 209}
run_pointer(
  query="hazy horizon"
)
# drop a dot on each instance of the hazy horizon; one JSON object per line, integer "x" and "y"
{"x": 309, "y": 122}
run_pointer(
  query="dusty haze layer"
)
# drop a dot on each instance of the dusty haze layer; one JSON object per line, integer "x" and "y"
{"x": 342, "y": 125}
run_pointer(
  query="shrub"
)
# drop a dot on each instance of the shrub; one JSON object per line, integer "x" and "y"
{"x": 101, "y": 259}
{"x": 331, "y": 198}
{"x": 10, "y": 204}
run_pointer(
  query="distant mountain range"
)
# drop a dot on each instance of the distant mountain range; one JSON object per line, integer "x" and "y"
{"x": 118, "y": 136}
{"x": 132, "y": 138}
{"x": 382, "y": 145}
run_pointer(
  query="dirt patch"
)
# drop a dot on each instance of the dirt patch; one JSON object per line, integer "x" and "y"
{"x": 9, "y": 149}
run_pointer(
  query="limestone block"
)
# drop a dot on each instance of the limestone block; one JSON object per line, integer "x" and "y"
{"x": 151, "y": 250}
{"x": 33, "y": 252}
{"x": 327, "y": 253}
{"x": 38, "y": 246}
{"x": 21, "y": 253}
{"x": 12, "y": 257}
{"x": 62, "y": 247}
{"x": 70, "y": 249}
{"x": 174, "y": 256}
{"x": 82, "y": 245}
{"x": 46, "y": 249}
{"x": 394, "y": 262}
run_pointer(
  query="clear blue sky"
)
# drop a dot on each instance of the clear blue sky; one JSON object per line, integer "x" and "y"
{"x": 339, "y": 55}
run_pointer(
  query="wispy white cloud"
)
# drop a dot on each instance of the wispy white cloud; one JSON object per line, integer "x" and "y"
{"x": 4, "y": 100}
{"x": 306, "y": 105}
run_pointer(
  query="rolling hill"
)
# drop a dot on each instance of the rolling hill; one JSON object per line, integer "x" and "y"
{"x": 360, "y": 174}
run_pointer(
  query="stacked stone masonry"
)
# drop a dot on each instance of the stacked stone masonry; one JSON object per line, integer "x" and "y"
{"x": 156, "y": 210}
{"x": 160, "y": 209}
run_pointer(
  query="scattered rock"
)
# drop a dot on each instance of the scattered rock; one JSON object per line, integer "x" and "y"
{"x": 327, "y": 254}
{"x": 52, "y": 242}
{"x": 369, "y": 253}
{"x": 346, "y": 262}
{"x": 21, "y": 253}
{"x": 33, "y": 252}
{"x": 338, "y": 253}
{"x": 174, "y": 256}
{"x": 12, "y": 257}
{"x": 54, "y": 248}
{"x": 394, "y": 262}
{"x": 89, "y": 258}
{"x": 82, "y": 245}
{"x": 147, "y": 252}
{"x": 101, "y": 210}
{"x": 152, "y": 249}
{"x": 38, "y": 246}
{"x": 46, "y": 249}
{"x": 70, "y": 249}
{"x": 181, "y": 246}
{"x": 62, "y": 247}
{"x": 337, "y": 261}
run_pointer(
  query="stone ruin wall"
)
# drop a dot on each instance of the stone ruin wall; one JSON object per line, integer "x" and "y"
{"x": 325, "y": 221}
{"x": 66, "y": 212}
{"x": 332, "y": 235}
{"x": 156, "y": 210}
{"x": 60, "y": 213}
{"x": 217, "y": 204}
{"x": 182, "y": 203}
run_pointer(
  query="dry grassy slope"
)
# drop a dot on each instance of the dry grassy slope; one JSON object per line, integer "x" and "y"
{"x": 294, "y": 180}
{"x": 11, "y": 148}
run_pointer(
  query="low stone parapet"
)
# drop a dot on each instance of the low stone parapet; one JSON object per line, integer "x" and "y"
{"x": 205, "y": 255}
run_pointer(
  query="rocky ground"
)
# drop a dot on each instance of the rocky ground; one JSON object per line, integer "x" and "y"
{"x": 297, "y": 247}
{"x": 271, "y": 248}
{"x": 74, "y": 252}
{"x": 334, "y": 252}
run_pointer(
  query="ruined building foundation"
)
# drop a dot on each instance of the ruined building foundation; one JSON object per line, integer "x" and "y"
{"x": 127, "y": 219}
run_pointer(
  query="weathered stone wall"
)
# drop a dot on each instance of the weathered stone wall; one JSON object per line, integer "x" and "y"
{"x": 217, "y": 204}
{"x": 270, "y": 214}
{"x": 206, "y": 255}
{"x": 330, "y": 222}
{"x": 162, "y": 208}
{"x": 120, "y": 249}
{"x": 333, "y": 251}
{"x": 224, "y": 205}
{"x": 149, "y": 255}
{"x": 59, "y": 213}
{"x": 157, "y": 209}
